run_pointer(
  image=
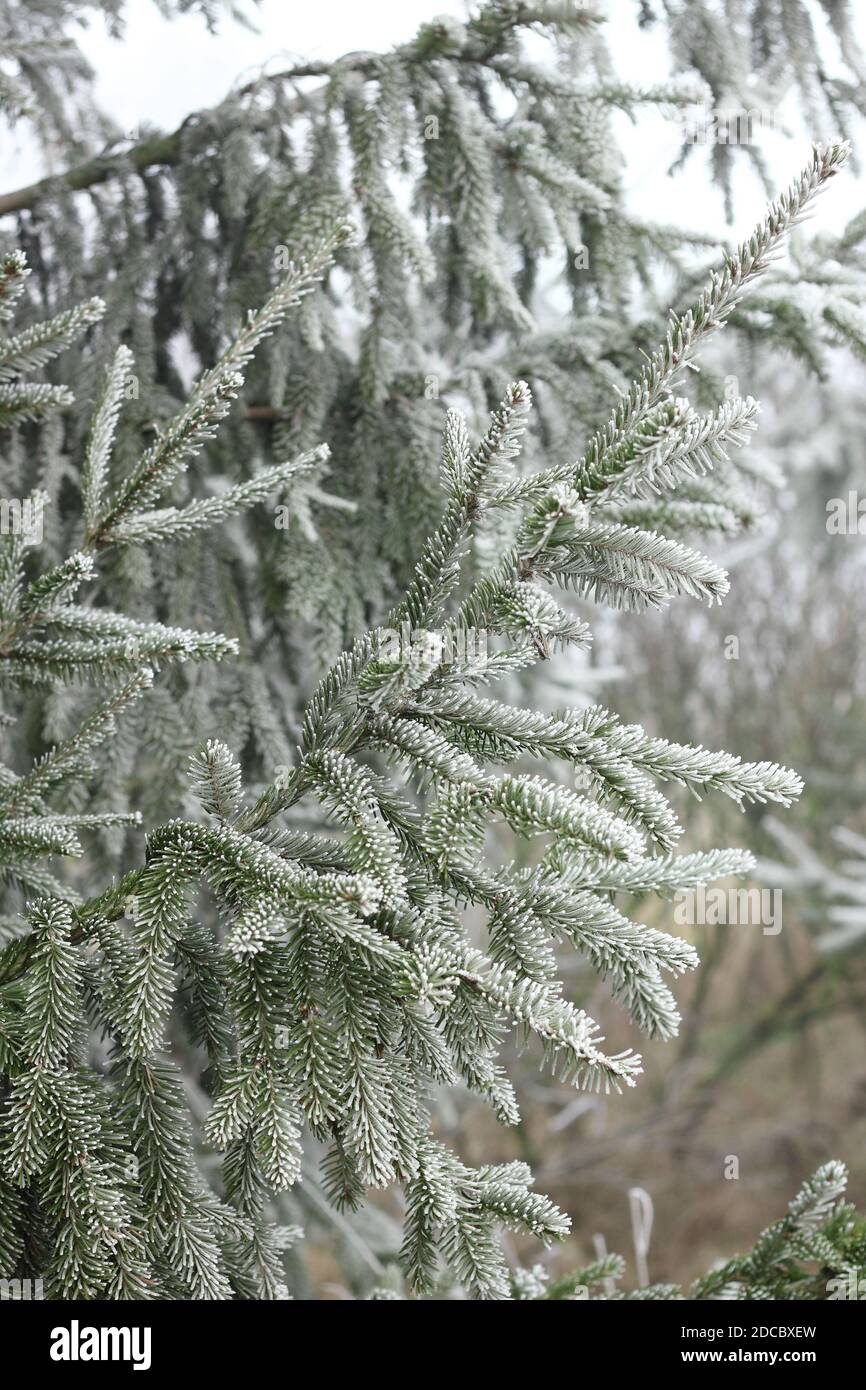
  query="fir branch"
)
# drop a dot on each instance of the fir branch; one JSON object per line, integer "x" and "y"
{"x": 711, "y": 311}
{"x": 212, "y": 398}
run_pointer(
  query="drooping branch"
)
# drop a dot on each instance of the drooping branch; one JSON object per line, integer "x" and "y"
{"x": 482, "y": 46}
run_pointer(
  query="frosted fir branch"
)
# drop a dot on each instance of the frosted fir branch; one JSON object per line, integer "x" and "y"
{"x": 438, "y": 570}
{"x": 145, "y": 999}
{"x": 525, "y": 609}
{"x": 36, "y": 346}
{"x": 628, "y": 95}
{"x": 569, "y": 911}
{"x": 683, "y": 516}
{"x": 770, "y": 1270}
{"x": 179, "y": 523}
{"x": 94, "y": 820}
{"x": 589, "y": 1277}
{"x": 492, "y": 22}
{"x": 261, "y": 925}
{"x": 451, "y": 1213}
{"x": 424, "y": 748}
{"x": 13, "y": 576}
{"x": 849, "y": 322}
{"x": 389, "y": 680}
{"x": 431, "y": 1201}
{"x": 278, "y": 1127}
{"x": 185, "y": 1215}
{"x": 543, "y": 166}
{"x": 258, "y": 925}
{"x": 181, "y": 440}
{"x": 13, "y": 277}
{"x": 348, "y": 792}
{"x": 649, "y": 1002}
{"x": 700, "y": 769}
{"x": 483, "y": 44}
{"x": 667, "y": 875}
{"x": 67, "y": 759}
{"x": 39, "y": 835}
{"x": 509, "y": 730}
{"x": 24, "y": 402}
{"x": 456, "y": 453}
{"x": 53, "y": 834}
{"x": 595, "y": 737}
{"x": 34, "y": 880}
{"x": 45, "y": 662}
{"x": 536, "y": 907}
{"x": 519, "y": 938}
{"x": 436, "y": 573}
{"x": 618, "y": 782}
{"x": 501, "y": 442}
{"x": 454, "y": 827}
{"x": 687, "y": 332}
{"x": 517, "y": 71}
{"x": 212, "y": 398}
{"x": 57, "y": 1113}
{"x": 54, "y": 589}
{"x": 606, "y": 560}
{"x": 359, "y": 946}
{"x": 94, "y": 472}
{"x": 53, "y": 1017}
{"x": 819, "y": 1195}
{"x": 387, "y": 224}
{"x": 484, "y": 668}
{"x": 531, "y": 805}
{"x": 520, "y": 1210}
{"x": 569, "y": 1038}
{"x": 487, "y": 729}
{"x": 323, "y": 724}
{"x": 28, "y": 1118}
{"x": 232, "y": 860}
{"x": 671, "y": 445}
{"x": 215, "y": 777}
{"x": 255, "y": 1095}
{"x": 471, "y": 139}
{"x": 632, "y": 957}
{"x": 103, "y": 624}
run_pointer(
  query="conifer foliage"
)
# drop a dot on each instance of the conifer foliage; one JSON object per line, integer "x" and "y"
{"x": 816, "y": 1251}
{"x": 344, "y": 980}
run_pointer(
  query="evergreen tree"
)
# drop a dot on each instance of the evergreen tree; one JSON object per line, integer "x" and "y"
{"x": 476, "y": 169}
{"x": 342, "y": 978}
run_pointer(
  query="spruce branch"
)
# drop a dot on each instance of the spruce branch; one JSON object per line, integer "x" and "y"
{"x": 94, "y": 473}
{"x": 212, "y": 398}
{"x": 687, "y": 332}
{"x": 36, "y": 346}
